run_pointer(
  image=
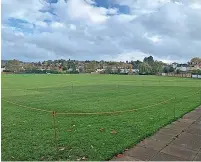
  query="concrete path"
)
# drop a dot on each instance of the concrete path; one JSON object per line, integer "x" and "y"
{"x": 179, "y": 141}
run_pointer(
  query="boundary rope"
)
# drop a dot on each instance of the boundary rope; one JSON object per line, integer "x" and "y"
{"x": 28, "y": 107}
{"x": 37, "y": 87}
{"x": 96, "y": 113}
{"x": 113, "y": 112}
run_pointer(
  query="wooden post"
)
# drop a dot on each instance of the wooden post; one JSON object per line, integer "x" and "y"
{"x": 117, "y": 94}
{"x": 174, "y": 108}
{"x": 200, "y": 96}
{"x": 54, "y": 127}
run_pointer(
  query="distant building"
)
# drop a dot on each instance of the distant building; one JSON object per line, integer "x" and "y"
{"x": 105, "y": 67}
{"x": 124, "y": 71}
{"x": 174, "y": 65}
{"x": 194, "y": 67}
{"x": 135, "y": 70}
{"x": 80, "y": 68}
{"x": 42, "y": 69}
{"x": 100, "y": 70}
{"x": 70, "y": 69}
{"x": 3, "y": 68}
{"x": 198, "y": 66}
{"x": 182, "y": 67}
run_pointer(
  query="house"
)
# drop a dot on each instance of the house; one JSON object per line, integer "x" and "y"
{"x": 194, "y": 67}
{"x": 70, "y": 70}
{"x": 105, "y": 67}
{"x": 100, "y": 70}
{"x": 182, "y": 67}
{"x": 174, "y": 65}
{"x": 135, "y": 70}
{"x": 198, "y": 66}
{"x": 3, "y": 68}
{"x": 124, "y": 71}
{"x": 81, "y": 68}
{"x": 114, "y": 69}
{"x": 42, "y": 69}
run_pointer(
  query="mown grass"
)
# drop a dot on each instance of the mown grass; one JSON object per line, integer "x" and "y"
{"x": 29, "y": 134}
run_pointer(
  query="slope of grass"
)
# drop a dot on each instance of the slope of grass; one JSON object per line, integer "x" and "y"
{"x": 29, "y": 134}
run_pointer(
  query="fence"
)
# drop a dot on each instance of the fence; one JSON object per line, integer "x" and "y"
{"x": 196, "y": 76}
{"x": 58, "y": 115}
{"x": 183, "y": 75}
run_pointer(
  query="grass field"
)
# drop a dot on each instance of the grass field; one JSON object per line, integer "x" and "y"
{"x": 29, "y": 135}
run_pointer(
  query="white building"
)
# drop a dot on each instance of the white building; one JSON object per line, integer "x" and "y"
{"x": 174, "y": 65}
{"x": 2, "y": 69}
{"x": 124, "y": 70}
{"x": 135, "y": 70}
{"x": 182, "y": 67}
{"x": 100, "y": 70}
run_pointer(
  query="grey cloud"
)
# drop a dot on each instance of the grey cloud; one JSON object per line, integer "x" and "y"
{"x": 177, "y": 25}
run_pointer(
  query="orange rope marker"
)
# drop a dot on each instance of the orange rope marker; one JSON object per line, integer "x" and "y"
{"x": 54, "y": 113}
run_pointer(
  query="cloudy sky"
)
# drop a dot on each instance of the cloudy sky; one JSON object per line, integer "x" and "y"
{"x": 36, "y": 30}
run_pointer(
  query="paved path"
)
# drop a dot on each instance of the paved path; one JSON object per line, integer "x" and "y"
{"x": 179, "y": 141}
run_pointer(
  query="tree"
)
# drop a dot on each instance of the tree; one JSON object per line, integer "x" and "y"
{"x": 39, "y": 64}
{"x": 90, "y": 67}
{"x": 198, "y": 71}
{"x": 64, "y": 68}
{"x": 165, "y": 69}
{"x": 81, "y": 69}
{"x": 30, "y": 67}
{"x": 64, "y": 64}
{"x": 157, "y": 67}
{"x": 135, "y": 64}
{"x": 145, "y": 68}
{"x": 108, "y": 70}
{"x": 171, "y": 69}
{"x": 118, "y": 70}
{"x": 178, "y": 71}
{"x": 49, "y": 62}
{"x": 149, "y": 60}
{"x": 195, "y": 61}
{"x": 13, "y": 66}
{"x": 73, "y": 67}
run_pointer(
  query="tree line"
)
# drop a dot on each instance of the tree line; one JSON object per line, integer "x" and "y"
{"x": 148, "y": 66}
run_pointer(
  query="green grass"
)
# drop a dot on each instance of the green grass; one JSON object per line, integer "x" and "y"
{"x": 29, "y": 135}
